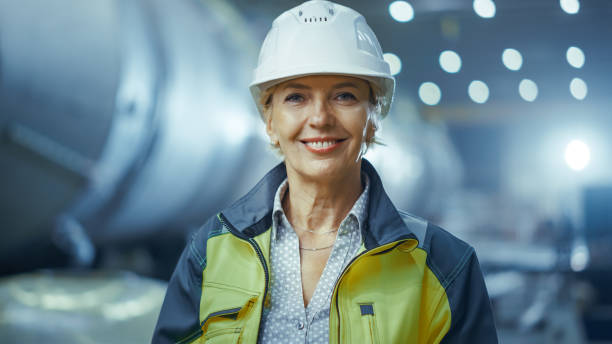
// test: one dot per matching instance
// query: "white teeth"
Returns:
(320, 144)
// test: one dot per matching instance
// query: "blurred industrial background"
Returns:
(124, 124)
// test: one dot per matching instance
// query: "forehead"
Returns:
(324, 81)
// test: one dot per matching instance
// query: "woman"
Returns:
(316, 252)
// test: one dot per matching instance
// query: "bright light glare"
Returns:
(478, 91)
(430, 93)
(575, 57)
(394, 63)
(450, 61)
(512, 59)
(579, 258)
(237, 130)
(528, 90)
(401, 11)
(484, 8)
(570, 6)
(577, 155)
(578, 88)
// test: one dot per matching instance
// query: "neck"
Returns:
(320, 205)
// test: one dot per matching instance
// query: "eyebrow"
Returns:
(346, 84)
(305, 87)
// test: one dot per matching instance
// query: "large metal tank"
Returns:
(119, 118)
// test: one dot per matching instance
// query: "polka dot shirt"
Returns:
(285, 319)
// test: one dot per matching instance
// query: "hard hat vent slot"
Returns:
(315, 19)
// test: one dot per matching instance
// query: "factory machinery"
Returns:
(124, 124)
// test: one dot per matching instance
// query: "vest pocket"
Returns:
(223, 335)
(368, 323)
(225, 311)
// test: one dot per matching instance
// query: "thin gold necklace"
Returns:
(316, 248)
(318, 233)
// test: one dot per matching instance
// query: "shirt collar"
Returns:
(251, 215)
(358, 211)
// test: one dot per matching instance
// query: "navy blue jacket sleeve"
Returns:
(179, 316)
(471, 313)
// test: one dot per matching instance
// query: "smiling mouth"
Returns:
(322, 145)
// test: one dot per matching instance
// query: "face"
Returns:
(318, 121)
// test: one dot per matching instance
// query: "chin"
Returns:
(336, 168)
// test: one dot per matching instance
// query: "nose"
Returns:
(322, 113)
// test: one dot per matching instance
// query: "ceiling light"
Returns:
(450, 61)
(528, 90)
(401, 11)
(478, 91)
(430, 93)
(512, 59)
(575, 57)
(578, 88)
(570, 6)
(484, 8)
(395, 64)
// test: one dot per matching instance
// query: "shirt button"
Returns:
(300, 325)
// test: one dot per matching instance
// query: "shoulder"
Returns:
(197, 245)
(455, 268)
(447, 255)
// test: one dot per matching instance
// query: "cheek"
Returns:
(354, 121)
(285, 125)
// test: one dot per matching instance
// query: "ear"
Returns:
(370, 132)
(270, 128)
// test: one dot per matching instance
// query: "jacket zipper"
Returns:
(260, 255)
(335, 293)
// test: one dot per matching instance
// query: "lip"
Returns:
(328, 149)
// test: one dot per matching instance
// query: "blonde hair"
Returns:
(265, 100)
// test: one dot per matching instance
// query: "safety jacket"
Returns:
(412, 282)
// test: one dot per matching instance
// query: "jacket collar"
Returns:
(251, 215)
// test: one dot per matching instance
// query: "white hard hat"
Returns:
(321, 37)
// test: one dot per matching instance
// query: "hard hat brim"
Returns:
(382, 81)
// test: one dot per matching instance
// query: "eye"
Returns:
(346, 97)
(294, 98)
